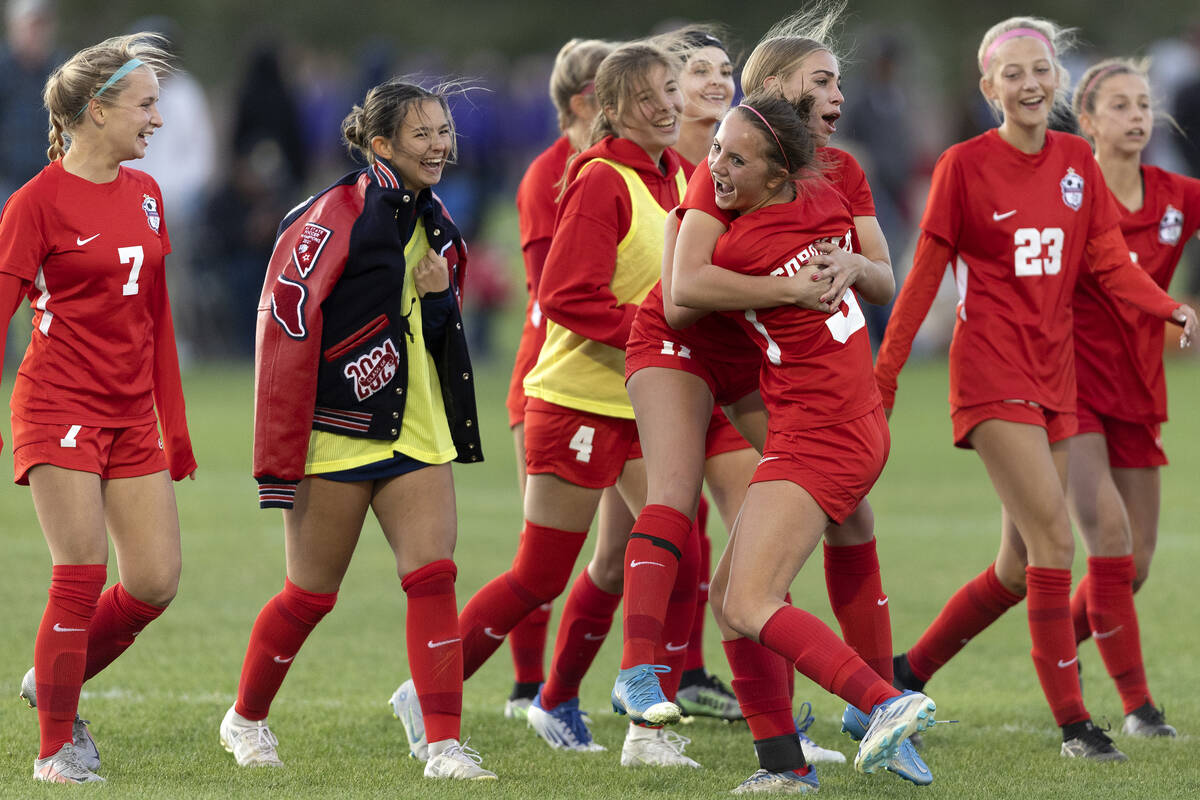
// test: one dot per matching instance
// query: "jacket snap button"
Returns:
(395, 432)
(466, 376)
(407, 198)
(437, 231)
(395, 415)
(399, 390)
(468, 423)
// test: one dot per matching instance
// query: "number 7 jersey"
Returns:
(102, 351)
(1020, 224)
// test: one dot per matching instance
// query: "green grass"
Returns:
(155, 711)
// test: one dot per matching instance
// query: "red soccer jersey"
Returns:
(537, 204)
(816, 367)
(1020, 225)
(103, 346)
(1118, 349)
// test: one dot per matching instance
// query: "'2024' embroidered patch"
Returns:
(373, 370)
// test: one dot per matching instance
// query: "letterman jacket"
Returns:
(329, 350)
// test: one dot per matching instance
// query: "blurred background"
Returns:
(252, 117)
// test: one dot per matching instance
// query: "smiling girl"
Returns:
(86, 242)
(1019, 211)
(826, 444)
(1116, 456)
(364, 395)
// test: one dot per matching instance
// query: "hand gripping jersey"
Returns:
(718, 337)
(330, 321)
(1118, 349)
(816, 367)
(1020, 225)
(607, 253)
(537, 202)
(102, 352)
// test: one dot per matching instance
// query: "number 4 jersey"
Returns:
(103, 346)
(816, 367)
(1020, 225)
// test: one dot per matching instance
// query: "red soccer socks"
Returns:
(60, 650)
(817, 652)
(651, 566)
(856, 596)
(1114, 625)
(543, 565)
(586, 620)
(966, 614)
(119, 618)
(1050, 628)
(279, 631)
(435, 647)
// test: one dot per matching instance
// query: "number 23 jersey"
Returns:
(94, 255)
(1020, 224)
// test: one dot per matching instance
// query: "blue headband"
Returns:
(126, 68)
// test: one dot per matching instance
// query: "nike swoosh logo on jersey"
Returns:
(432, 644)
(1064, 664)
(1107, 634)
(287, 660)
(765, 459)
(882, 602)
(640, 563)
(594, 637)
(60, 629)
(82, 242)
(997, 216)
(496, 636)
(675, 648)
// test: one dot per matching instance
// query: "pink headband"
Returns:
(772, 130)
(1094, 81)
(1012, 34)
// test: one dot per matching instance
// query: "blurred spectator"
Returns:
(27, 57)
(265, 174)
(877, 115)
(182, 158)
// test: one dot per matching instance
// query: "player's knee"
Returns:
(607, 574)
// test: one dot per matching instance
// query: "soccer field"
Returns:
(155, 712)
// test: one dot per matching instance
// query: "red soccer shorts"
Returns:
(107, 452)
(585, 449)
(533, 334)
(837, 464)
(1131, 445)
(1059, 425)
(722, 437)
(715, 350)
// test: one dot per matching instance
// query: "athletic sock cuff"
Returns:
(434, 569)
(855, 559)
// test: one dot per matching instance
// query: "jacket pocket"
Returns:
(363, 334)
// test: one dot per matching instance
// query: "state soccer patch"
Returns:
(308, 248)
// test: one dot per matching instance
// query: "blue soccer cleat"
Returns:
(907, 764)
(562, 727)
(638, 694)
(891, 723)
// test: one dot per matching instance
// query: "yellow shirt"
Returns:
(585, 374)
(424, 430)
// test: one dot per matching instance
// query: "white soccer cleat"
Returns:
(65, 766)
(563, 727)
(458, 762)
(407, 708)
(891, 723)
(813, 752)
(655, 747)
(81, 737)
(250, 741)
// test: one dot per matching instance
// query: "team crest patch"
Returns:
(150, 206)
(308, 249)
(373, 370)
(1170, 227)
(1072, 189)
(287, 306)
